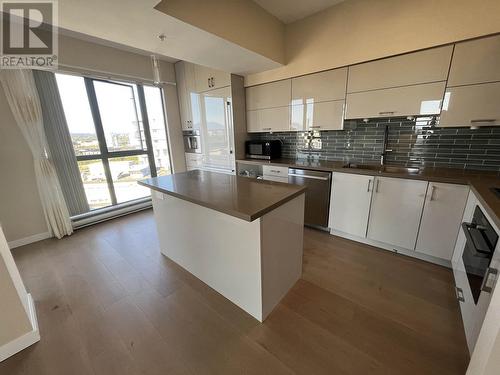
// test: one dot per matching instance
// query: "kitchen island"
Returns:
(243, 237)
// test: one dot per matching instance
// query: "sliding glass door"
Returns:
(115, 142)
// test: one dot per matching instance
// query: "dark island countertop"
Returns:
(242, 197)
(480, 182)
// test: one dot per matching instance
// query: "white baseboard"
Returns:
(25, 340)
(30, 239)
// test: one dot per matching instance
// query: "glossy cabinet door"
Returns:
(426, 66)
(184, 75)
(472, 105)
(476, 61)
(210, 79)
(217, 131)
(396, 209)
(350, 203)
(423, 99)
(269, 95)
(268, 120)
(319, 87)
(443, 210)
(318, 116)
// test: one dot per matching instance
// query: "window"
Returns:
(118, 134)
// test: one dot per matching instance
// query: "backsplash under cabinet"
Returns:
(414, 142)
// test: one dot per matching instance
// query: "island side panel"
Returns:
(282, 236)
(219, 249)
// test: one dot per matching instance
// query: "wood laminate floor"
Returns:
(109, 303)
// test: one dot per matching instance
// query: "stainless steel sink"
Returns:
(384, 168)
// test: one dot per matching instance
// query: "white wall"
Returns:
(21, 212)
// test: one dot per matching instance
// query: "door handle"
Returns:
(460, 294)
(310, 177)
(485, 287)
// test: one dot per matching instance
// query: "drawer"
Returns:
(271, 170)
(276, 179)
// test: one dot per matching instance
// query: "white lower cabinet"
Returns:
(275, 173)
(441, 218)
(396, 210)
(350, 203)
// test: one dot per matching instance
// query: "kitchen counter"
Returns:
(243, 237)
(241, 197)
(481, 182)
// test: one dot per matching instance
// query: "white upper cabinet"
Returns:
(318, 116)
(475, 61)
(210, 79)
(318, 101)
(319, 87)
(269, 95)
(471, 105)
(268, 120)
(431, 65)
(350, 203)
(414, 100)
(443, 211)
(395, 211)
(188, 97)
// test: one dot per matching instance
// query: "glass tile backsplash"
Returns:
(414, 142)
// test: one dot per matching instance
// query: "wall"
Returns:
(360, 30)
(413, 143)
(20, 209)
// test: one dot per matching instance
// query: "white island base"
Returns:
(251, 263)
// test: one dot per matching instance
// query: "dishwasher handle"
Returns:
(309, 176)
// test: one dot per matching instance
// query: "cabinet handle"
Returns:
(433, 189)
(266, 128)
(314, 127)
(376, 187)
(212, 81)
(386, 113)
(209, 82)
(460, 294)
(369, 183)
(485, 287)
(483, 120)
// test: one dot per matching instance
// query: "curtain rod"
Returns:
(108, 75)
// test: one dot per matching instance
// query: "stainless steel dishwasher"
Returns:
(317, 194)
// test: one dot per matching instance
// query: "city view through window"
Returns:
(118, 134)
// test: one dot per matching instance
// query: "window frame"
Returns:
(104, 154)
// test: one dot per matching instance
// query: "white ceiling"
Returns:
(293, 10)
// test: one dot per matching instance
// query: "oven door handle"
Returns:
(466, 227)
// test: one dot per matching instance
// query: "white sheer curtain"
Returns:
(22, 96)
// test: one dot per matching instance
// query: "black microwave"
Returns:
(263, 149)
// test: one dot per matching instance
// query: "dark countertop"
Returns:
(480, 182)
(242, 197)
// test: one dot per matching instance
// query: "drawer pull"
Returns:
(433, 189)
(387, 113)
(485, 287)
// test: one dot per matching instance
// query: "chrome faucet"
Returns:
(384, 146)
